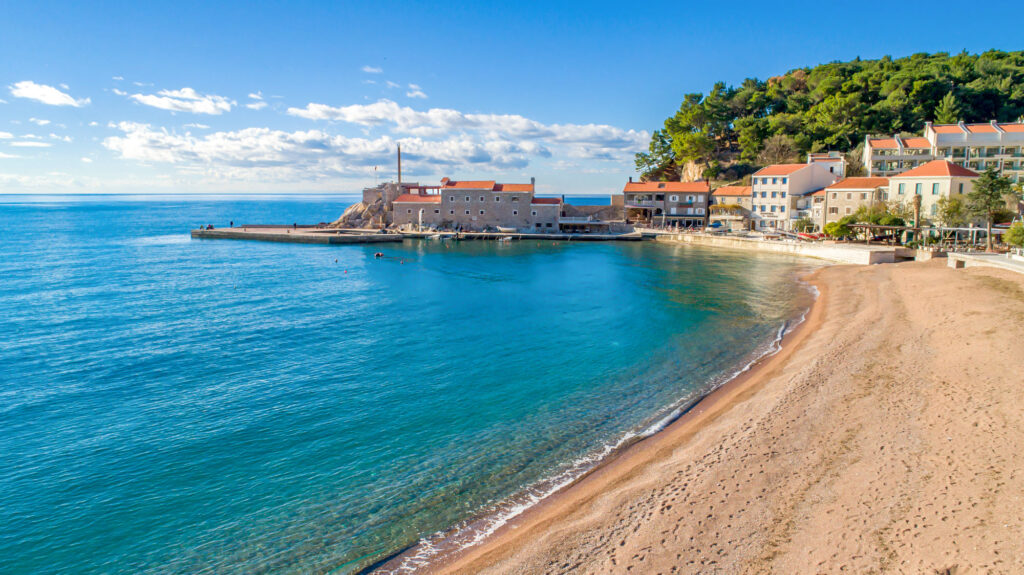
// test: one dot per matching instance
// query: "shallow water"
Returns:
(188, 406)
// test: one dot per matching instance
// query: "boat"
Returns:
(507, 230)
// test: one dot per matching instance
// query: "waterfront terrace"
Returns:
(683, 204)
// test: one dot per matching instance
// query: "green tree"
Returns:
(989, 197)
(952, 211)
(1015, 235)
(840, 229)
(948, 111)
(804, 225)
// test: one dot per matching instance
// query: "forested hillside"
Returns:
(731, 130)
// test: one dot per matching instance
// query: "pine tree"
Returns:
(948, 111)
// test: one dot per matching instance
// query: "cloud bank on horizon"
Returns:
(322, 146)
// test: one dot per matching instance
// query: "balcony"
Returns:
(644, 204)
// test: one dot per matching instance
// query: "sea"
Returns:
(172, 405)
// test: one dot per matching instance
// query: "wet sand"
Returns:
(886, 436)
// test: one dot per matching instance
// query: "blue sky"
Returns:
(309, 96)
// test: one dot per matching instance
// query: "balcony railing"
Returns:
(644, 204)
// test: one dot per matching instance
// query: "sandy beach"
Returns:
(886, 436)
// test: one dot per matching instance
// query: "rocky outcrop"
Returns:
(361, 215)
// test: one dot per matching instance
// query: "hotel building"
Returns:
(781, 194)
(932, 181)
(684, 204)
(973, 146)
(730, 205)
(475, 205)
(845, 197)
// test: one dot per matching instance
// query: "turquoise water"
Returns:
(207, 406)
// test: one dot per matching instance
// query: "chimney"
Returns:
(533, 181)
(631, 179)
(399, 165)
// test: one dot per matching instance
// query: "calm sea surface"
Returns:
(171, 405)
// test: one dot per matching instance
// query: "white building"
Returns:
(973, 146)
(781, 194)
(834, 161)
(932, 181)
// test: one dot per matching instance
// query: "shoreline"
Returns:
(634, 450)
(883, 437)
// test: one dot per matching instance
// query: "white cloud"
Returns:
(2, 101)
(368, 81)
(118, 78)
(256, 105)
(596, 141)
(120, 92)
(372, 70)
(87, 160)
(6, 135)
(45, 94)
(61, 138)
(198, 126)
(256, 95)
(94, 123)
(186, 100)
(391, 84)
(30, 145)
(415, 92)
(3, 155)
(38, 122)
(262, 153)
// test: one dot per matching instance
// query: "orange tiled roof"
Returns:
(667, 187)
(981, 129)
(732, 191)
(859, 184)
(1017, 127)
(780, 169)
(513, 187)
(554, 201)
(947, 129)
(469, 184)
(418, 199)
(916, 143)
(883, 143)
(820, 192)
(938, 168)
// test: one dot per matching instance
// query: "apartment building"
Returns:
(976, 147)
(683, 204)
(845, 197)
(475, 205)
(781, 194)
(730, 207)
(932, 181)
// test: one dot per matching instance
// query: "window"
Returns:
(847, 210)
(773, 207)
(775, 180)
(917, 189)
(899, 190)
(700, 211)
(497, 198)
(849, 196)
(784, 180)
(481, 198)
(451, 198)
(935, 189)
(689, 199)
(775, 194)
(451, 212)
(408, 211)
(783, 194)
(782, 209)
(538, 225)
(533, 213)
(961, 188)
(467, 212)
(833, 210)
(764, 194)
(467, 198)
(548, 224)
(673, 198)
(515, 212)
(437, 211)
(863, 196)
(835, 195)
(935, 209)
(672, 211)
(481, 212)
